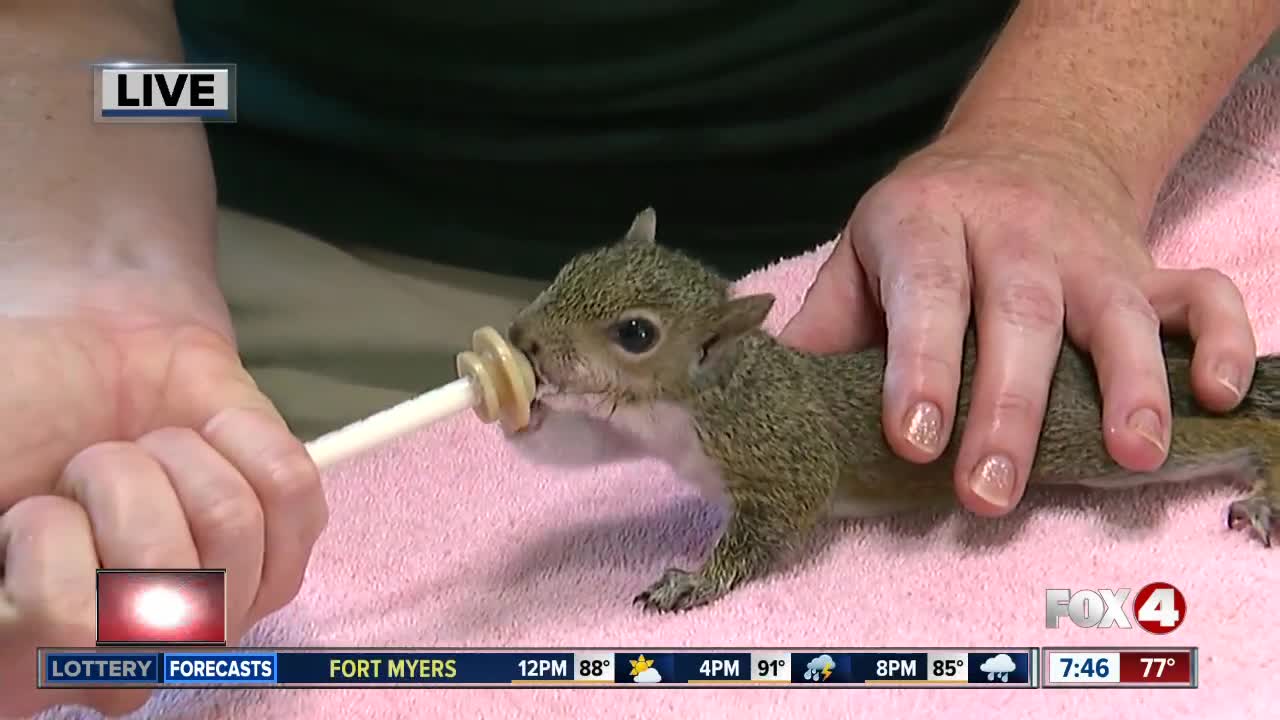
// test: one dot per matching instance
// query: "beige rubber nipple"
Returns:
(502, 376)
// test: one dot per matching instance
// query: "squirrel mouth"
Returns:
(542, 385)
(543, 389)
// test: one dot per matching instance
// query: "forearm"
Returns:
(73, 190)
(1136, 81)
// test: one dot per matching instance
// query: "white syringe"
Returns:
(494, 379)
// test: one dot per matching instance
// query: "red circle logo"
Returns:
(1159, 608)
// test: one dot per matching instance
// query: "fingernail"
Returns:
(1146, 423)
(924, 427)
(992, 480)
(1229, 377)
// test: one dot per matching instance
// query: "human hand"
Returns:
(1034, 234)
(132, 437)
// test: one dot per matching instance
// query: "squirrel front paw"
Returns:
(680, 590)
(537, 413)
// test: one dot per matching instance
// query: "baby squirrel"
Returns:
(641, 351)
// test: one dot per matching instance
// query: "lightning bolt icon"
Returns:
(826, 671)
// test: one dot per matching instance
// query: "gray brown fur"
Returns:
(793, 433)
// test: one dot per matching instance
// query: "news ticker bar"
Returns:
(350, 667)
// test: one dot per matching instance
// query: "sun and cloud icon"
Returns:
(998, 666)
(643, 671)
(819, 668)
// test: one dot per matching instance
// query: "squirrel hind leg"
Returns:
(1260, 510)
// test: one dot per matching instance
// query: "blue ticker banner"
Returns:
(351, 667)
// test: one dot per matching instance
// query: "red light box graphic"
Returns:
(162, 607)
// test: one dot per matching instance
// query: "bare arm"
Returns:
(73, 191)
(1137, 79)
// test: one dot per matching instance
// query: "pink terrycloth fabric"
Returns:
(447, 539)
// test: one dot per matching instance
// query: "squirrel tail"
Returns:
(1263, 399)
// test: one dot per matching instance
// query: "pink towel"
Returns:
(449, 539)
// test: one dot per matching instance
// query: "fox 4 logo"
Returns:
(1159, 608)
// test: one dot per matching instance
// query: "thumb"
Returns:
(206, 378)
(838, 314)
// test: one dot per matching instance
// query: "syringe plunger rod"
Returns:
(494, 379)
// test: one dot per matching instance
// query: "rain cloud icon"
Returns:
(1000, 665)
(819, 668)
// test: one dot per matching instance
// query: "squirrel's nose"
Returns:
(519, 337)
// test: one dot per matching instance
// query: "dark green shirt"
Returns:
(507, 135)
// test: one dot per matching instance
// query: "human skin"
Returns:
(1028, 214)
(130, 434)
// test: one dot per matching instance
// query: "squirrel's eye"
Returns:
(635, 335)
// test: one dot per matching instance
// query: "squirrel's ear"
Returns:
(644, 227)
(742, 314)
(731, 321)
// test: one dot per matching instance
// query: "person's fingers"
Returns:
(222, 512)
(1110, 318)
(48, 599)
(50, 568)
(837, 314)
(240, 423)
(918, 260)
(1208, 306)
(287, 483)
(137, 519)
(1019, 312)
